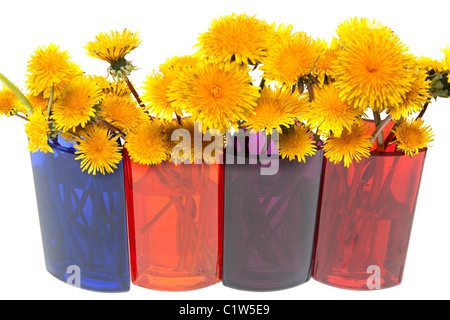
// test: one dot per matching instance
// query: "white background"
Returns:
(170, 28)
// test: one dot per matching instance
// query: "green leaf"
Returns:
(16, 91)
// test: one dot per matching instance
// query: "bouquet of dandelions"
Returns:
(320, 90)
(87, 110)
(315, 94)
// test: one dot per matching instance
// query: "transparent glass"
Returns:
(366, 219)
(176, 225)
(83, 221)
(270, 222)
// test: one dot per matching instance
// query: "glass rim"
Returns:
(54, 146)
(257, 156)
(394, 153)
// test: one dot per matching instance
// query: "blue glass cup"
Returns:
(83, 221)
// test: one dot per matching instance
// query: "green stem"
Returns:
(50, 101)
(422, 113)
(262, 84)
(16, 91)
(301, 86)
(316, 137)
(380, 125)
(313, 79)
(22, 117)
(178, 118)
(391, 135)
(134, 92)
(74, 135)
(111, 127)
(311, 93)
(136, 95)
(157, 217)
(380, 128)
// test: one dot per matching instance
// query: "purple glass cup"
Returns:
(269, 220)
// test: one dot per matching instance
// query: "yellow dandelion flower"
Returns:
(195, 152)
(330, 113)
(179, 64)
(415, 98)
(156, 89)
(189, 125)
(324, 66)
(38, 130)
(277, 108)
(22, 109)
(351, 146)
(113, 47)
(239, 38)
(8, 102)
(430, 65)
(413, 135)
(98, 150)
(119, 88)
(356, 29)
(297, 144)
(157, 85)
(77, 104)
(214, 94)
(148, 144)
(38, 103)
(121, 111)
(69, 136)
(372, 70)
(50, 67)
(170, 127)
(290, 58)
(446, 61)
(101, 82)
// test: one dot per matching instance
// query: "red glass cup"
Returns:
(365, 221)
(176, 225)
